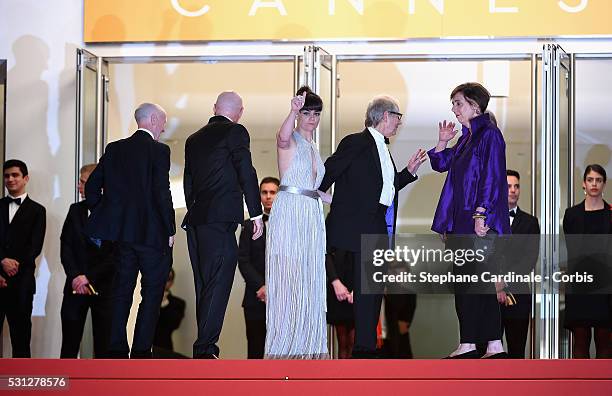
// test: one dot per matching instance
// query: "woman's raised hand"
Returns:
(298, 102)
(447, 131)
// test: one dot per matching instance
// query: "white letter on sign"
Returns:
(184, 12)
(357, 5)
(438, 4)
(493, 8)
(278, 4)
(578, 8)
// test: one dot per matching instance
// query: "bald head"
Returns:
(152, 117)
(229, 104)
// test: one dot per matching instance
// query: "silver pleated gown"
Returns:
(295, 264)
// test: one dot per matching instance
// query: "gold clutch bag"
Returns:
(510, 299)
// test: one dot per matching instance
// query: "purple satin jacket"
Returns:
(476, 177)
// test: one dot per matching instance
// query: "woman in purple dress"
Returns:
(474, 202)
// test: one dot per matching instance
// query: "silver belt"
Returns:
(300, 191)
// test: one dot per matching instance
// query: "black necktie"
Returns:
(265, 217)
(512, 213)
(15, 200)
(386, 140)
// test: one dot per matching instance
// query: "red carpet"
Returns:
(352, 377)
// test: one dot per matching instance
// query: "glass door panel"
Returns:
(319, 74)
(91, 120)
(92, 108)
(556, 156)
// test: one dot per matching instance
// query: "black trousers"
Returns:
(16, 306)
(476, 304)
(479, 318)
(154, 266)
(73, 315)
(366, 307)
(397, 345)
(256, 337)
(515, 322)
(214, 255)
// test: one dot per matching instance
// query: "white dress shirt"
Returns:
(13, 207)
(388, 171)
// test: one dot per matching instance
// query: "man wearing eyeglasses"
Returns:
(366, 185)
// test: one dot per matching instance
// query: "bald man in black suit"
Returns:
(218, 174)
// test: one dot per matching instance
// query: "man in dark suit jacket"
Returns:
(515, 318)
(129, 197)
(251, 263)
(218, 172)
(22, 231)
(366, 186)
(89, 275)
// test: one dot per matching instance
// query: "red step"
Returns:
(338, 377)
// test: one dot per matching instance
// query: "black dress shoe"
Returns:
(141, 355)
(116, 355)
(466, 355)
(206, 356)
(500, 355)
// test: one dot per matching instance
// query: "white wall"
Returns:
(39, 38)
(39, 41)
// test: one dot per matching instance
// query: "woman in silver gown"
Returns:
(295, 241)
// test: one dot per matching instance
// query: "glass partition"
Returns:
(425, 101)
(556, 152)
(92, 108)
(187, 91)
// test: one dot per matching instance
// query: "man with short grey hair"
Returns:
(365, 202)
(128, 194)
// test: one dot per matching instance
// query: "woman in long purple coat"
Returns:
(474, 201)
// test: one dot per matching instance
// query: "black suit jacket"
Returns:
(524, 223)
(218, 172)
(22, 240)
(80, 256)
(523, 252)
(252, 265)
(356, 171)
(573, 220)
(129, 193)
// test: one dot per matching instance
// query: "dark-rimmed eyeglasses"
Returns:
(399, 115)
